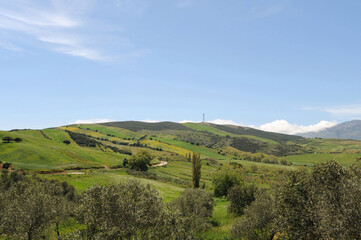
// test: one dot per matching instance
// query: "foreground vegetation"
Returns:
(304, 206)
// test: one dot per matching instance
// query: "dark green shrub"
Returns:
(141, 160)
(257, 221)
(197, 206)
(240, 196)
(6, 165)
(224, 179)
(7, 139)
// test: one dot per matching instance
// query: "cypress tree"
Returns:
(196, 169)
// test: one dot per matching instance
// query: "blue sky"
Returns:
(283, 65)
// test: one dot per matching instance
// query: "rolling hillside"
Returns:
(346, 130)
(107, 144)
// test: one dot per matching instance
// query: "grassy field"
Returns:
(37, 152)
(208, 128)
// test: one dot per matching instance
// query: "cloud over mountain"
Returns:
(282, 126)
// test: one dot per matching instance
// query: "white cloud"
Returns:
(188, 121)
(282, 126)
(150, 121)
(94, 120)
(353, 110)
(64, 26)
(215, 121)
(224, 122)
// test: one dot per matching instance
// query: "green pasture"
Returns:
(37, 152)
(207, 128)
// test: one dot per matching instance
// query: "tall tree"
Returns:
(196, 169)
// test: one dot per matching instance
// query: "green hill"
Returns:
(138, 126)
(278, 137)
(109, 143)
(345, 130)
(45, 150)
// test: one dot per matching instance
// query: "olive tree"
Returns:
(141, 160)
(257, 221)
(324, 204)
(129, 210)
(196, 205)
(27, 211)
(240, 196)
(224, 179)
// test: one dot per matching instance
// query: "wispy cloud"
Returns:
(352, 110)
(282, 126)
(66, 27)
(265, 11)
(342, 110)
(94, 120)
(184, 3)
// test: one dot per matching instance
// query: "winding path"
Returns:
(162, 163)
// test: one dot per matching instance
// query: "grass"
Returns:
(204, 151)
(208, 128)
(103, 177)
(37, 152)
(309, 160)
(118, 132)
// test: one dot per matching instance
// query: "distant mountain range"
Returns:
(346, 130)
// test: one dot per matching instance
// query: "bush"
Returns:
(18, 139)
(224, 179)
(33, 206)
(141, 160)
(284, 161)
(257, 221)
(212, 161)
(83, 140)
(125, 162)
(324, 204)
(6, 165)
(240, 196)
(254, 168)
(7, 139)
(127, 210)
(197, 206)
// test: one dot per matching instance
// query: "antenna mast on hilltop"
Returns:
(204, 117)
